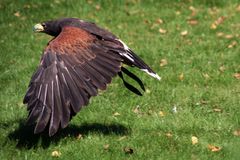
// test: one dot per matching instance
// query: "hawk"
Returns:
(80, 59)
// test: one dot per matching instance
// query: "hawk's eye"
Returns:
(44, 25)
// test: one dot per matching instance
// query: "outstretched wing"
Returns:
(73, 67)
(129, 57)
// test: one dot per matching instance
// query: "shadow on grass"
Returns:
(26, 139)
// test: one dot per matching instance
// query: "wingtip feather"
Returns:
(155, 75)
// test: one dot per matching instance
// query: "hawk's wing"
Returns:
(73, 67)
(128, 56)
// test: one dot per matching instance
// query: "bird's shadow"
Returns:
(26, 139)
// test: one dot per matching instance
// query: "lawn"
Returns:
(192, 113)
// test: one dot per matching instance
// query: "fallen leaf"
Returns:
(79, 136)
(159, 21)
(162, 31)
(163, 62)
(214, 148)
(228, 36)
(192, 8)
(148, 91)
(56, 154)
(181, 77)
(137, 109)
(232, 44)
(222, 68)
(238, 8)
(194, 140)
(146, 21)
(98, 7)
(220, 34)
(184, 33)
(220, 20)
(178, 12)
(89, 1)
(169, 135)
(206, 76)
(217, 22)
(17, 14)
(194, 11)
(213, 26)
(106, 146)
(236, 133)
(197, 104)
(192, 22)
(128, 150)
(217, 110)
(161, 114)
(203, 102)
(237, 76)
(116, 114)
(213, 11)
(122, 138)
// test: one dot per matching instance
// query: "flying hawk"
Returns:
(80, 59)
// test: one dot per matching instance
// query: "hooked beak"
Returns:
(38, 28)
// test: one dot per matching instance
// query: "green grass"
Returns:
(198, 53)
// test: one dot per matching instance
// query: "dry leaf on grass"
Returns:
(213, 26)
(177, 12)
(232, 44)
(122, 138)
(146, 21)
(192, 22)
(79, 136)
(206, 76)
(116, 114)
(159, 21)
(17, 14)
(137, 109)
(106, 146)
(148, 91)
(184, 33)
(98, 7)
(220, 34)
(214, 148)
(236, 133)
(128, 150)
(194, 11)
(236, 75)
(222, 68)
(194, 140)
(162, 31)
(161, 114)
(228, 36)
(169, 134)
(181, 77)
(56, 154)
(163, 62)
(217, 110)
(89, 1)
(238, 8)
(217, 22)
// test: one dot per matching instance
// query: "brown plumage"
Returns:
(79, 60)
